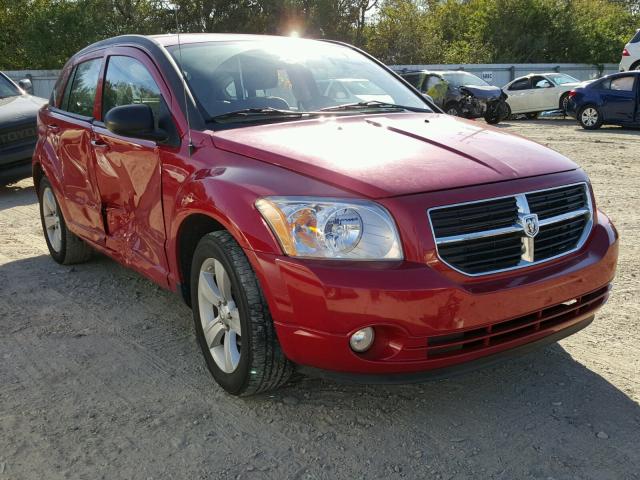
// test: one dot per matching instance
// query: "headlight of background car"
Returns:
(328, 228)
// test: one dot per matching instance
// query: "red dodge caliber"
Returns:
(314, 210)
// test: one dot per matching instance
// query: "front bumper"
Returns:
(427, 318)
(15, 161)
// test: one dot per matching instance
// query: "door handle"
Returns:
(53, 127)
(99, 144)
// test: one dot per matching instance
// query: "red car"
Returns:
(373, 241)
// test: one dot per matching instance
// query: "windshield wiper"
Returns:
(372, 104)
(250, 114)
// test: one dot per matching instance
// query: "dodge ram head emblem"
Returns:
(530, 224)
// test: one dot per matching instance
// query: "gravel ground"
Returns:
(101, 377)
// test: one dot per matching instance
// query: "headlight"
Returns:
(329, 228)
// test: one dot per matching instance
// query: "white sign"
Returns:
(487, 76)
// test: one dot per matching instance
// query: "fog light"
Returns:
(362, 340)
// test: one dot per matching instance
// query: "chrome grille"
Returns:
(489, 236)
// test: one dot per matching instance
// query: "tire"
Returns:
(508, 113)
(589, 117)
(453, 109)
(64, 246)
(635, 66)
(240, 348)
(532, 115)
(564, 102)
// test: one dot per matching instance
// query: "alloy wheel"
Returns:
(219, 315)
(51, 219)
(589, 116)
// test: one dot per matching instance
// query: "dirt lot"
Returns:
(100, 377)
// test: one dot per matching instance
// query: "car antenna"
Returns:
(184, 80)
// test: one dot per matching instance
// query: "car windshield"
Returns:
(562, 78)
(458, 79)
(7, 88)
(286, 75)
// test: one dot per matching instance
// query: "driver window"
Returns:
(522, 84)
(128, 81)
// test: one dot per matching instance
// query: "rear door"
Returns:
(128, 170)
(69, 130)
(619, 99)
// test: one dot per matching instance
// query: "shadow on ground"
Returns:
(119, 356)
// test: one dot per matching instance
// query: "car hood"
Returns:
(19, 109)
(389, 155)
(482, 92)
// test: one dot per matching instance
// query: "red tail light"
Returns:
(625, 53)
(572, 93)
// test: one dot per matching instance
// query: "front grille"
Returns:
(551, 203)
(557, 238)
(494, 235)
(450, 345)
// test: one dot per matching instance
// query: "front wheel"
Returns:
(453, 109)
(590, 118)
(64, 247)
(232, 320)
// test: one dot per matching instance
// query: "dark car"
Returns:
(614, 100)
(18, 133)
(461, 94)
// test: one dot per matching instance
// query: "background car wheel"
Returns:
(532, 115)
(232, 320)
(453, 109)
(64, 247)
(590, 117)
(564, 103)
(508, 114)
(635, 66)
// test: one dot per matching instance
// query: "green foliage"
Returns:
(41, 34)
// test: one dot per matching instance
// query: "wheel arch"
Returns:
(189, 233)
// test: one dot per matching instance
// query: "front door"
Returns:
(619, 99)
(69, 129)
(517, 95)
(128, 170)
(543, 96)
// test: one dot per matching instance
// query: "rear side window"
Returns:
(80, 92)
(128, 82)
(624, 84)
(523, 84)
(636, 37)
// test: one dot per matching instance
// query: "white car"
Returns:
(535, 93)
(353, 90)
(631, 54)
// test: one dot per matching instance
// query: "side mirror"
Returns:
(134, 121)
(26, 85)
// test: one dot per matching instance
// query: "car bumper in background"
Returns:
(15, 163)
(425, 319)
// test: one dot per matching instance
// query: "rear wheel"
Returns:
(64, 247)
(589, 117)
(232, 320)
(635, 66)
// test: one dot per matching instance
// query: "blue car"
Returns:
(614, 99)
